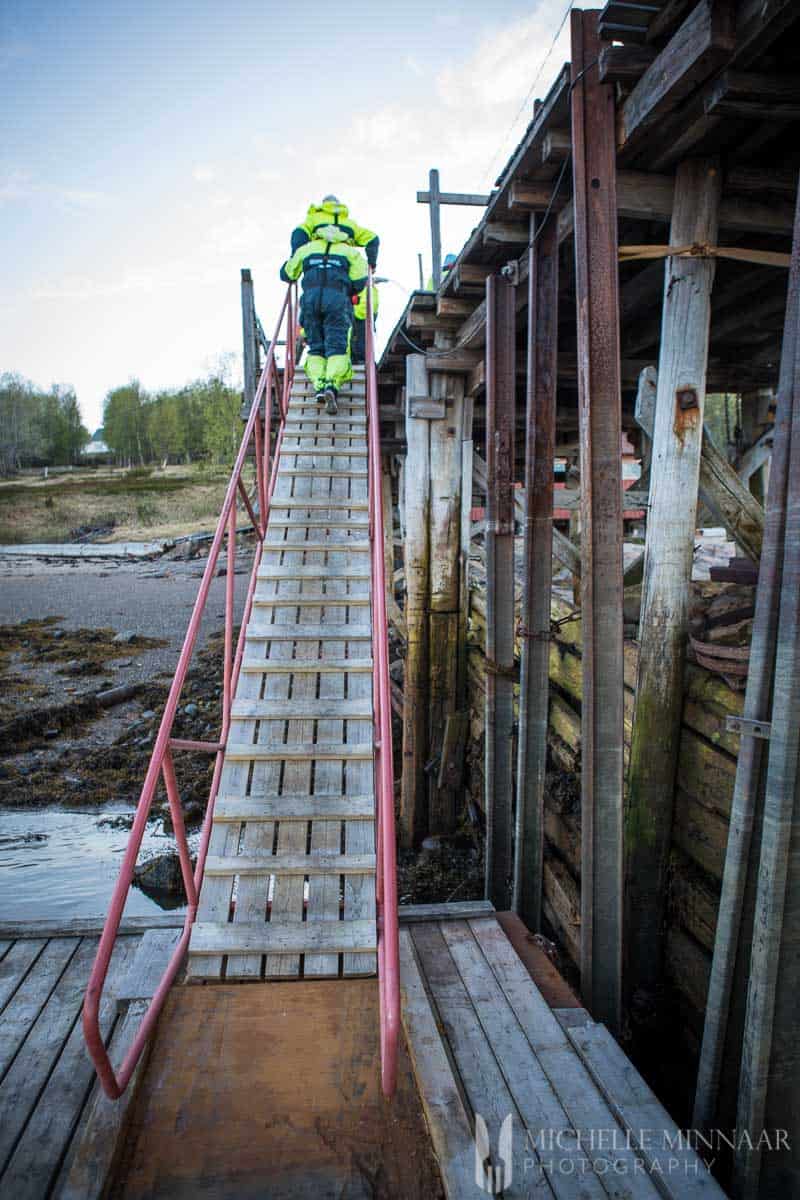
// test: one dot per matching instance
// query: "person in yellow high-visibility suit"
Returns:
(332, 212)
(332, 272)
(358, 342)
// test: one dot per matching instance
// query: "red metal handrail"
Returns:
(161, 763)
(386, 858)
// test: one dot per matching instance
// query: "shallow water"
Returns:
(58, 864)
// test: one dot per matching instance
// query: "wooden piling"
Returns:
(675, 471)
(446, 389)
(537, 576)
(500, 388)
(599, 407)
(416, 478)
(249, 343)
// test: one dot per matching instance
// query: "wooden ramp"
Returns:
(289, 886)
(274, 1091)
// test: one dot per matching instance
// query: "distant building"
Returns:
(97, 448)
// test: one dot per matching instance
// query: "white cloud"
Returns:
(203, 174)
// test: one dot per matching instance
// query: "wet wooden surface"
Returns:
(274, 1091)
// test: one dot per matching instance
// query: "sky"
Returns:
(150, 149)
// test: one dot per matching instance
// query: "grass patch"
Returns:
(139, 505)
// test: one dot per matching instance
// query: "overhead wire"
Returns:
(529, 94)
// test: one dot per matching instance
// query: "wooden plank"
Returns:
(448, 1122)
(483, 1080)
(299, 523)
(294, 709)
(309, 598)
(318, 571)
(39, 1152)
(330, 504)
(292, 807)
(17, 962)
(320, 473)
(452, 910)
(359, 891)
(283, 937)
(45, 1039)
(328, 547)
(86, 927)
(544, 1028)
(638, 1110)
(89, 1164)
(145, 972)
(558, 1097)
(298, 666)
(306, 633)
(30, 996)
(291, 864)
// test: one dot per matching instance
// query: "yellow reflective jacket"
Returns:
(327, 264)
(330, 212)
(360, 307)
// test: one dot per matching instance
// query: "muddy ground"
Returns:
(71, 631)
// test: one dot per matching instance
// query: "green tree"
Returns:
(125, 422)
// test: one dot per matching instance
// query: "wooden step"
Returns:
(305, 600)
(283, 937)
(284, 632)
(320, 473)
(295, 710)
(310, 571)
(336, 424)
(288, 807)
(297, 524)
(325, 452)
(358, 547)
(306, 666)
(331, 503)
(317, 863)
(299, 752)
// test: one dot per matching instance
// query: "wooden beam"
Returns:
(436, 229)
(453, 360)
(556, 145)
(625, 64)
(473, 199)
(599, 408)
(743, 94)
(417, 487)
(447, 306)
(500, 395)
(505, 233)
(249, 343)
(540, 427)
(529, 197)
(677, 439)
(697, 48)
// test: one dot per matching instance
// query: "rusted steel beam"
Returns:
(538, 573)
(500, 386)
(599, 404)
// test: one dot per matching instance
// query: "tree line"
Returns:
(198, 421)
(38, 428)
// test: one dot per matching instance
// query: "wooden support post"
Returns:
(446, 389)
(436, 228)
(467, 460)
(675, 473)
(599, 410)
(413, 815)
(538, 572)
(500, 387)
(249, 344)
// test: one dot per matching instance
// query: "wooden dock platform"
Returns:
(273, 1090)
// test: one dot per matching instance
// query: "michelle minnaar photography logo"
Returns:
(670, 1153)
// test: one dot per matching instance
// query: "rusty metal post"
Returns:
(540, 437)
(599, 404)
(500, 383)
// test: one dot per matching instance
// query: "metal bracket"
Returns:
(744, 725)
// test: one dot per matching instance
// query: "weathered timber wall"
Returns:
(706, 772)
